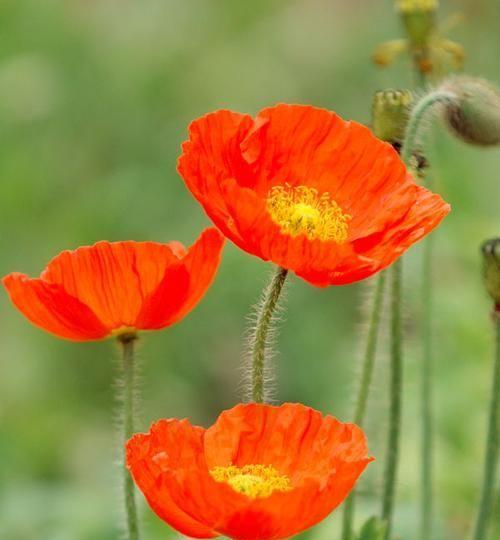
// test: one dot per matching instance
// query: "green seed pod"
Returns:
(491, 265)
(390, 111)
(475, 115)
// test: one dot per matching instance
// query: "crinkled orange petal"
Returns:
(320, 263)
(305, 145)
(112, 278)
(212, 154)
(422, 217)
(322, 457)
(184, 283)
(96, 291)
(230, 162)
(300, 439)
(147, 459)
(49, 307)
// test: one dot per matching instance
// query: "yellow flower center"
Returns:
(302, 210)
(254, 481)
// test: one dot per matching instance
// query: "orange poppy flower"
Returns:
(307, 190)
(112, 288)
(259, 473)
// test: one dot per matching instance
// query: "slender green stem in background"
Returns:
(127, 342)
(260, 337)
(396, 383)
(364, 387)
(492, 445)
(371, 349)
(426, 397)
(416, 125)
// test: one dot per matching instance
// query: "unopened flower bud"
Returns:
(491, 264)
(474, 116)
(390, 111)
(419, 19)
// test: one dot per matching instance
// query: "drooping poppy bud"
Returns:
(474, 115)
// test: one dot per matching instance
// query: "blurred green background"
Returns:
(95, 97)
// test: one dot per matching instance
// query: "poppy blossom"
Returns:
(259, 473)
(112, 288)
(303, 188)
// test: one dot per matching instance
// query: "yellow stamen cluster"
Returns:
(411, 6)
(254, 481)
(302, 210)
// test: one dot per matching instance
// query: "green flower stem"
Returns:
(364, 387)
(426, 393)
(127, 342)
(417, 121)
(260, 338)
(396, 383)
(492, 445)
(416, 124)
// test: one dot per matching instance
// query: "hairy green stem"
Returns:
(396, 383)
(364, 387)
(492, 445)
(260, 338)
(417, 121)
(127, 342)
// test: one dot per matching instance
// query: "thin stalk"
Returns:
(416, 124)
(127, 342)
(417, 121)
(260, 338)
(364, 387)
(492, 445)
(396, 383)
(426, 393)
(426, 374)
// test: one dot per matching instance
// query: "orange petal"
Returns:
(231, 162)
(322, 457)
(422, 217)
(296, 439)
(320, 263)
(169, 445)
(183, 284)
(211, 155)
(49, 307)
(112, 278)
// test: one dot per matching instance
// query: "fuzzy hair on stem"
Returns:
(126, 391)
(258, 377)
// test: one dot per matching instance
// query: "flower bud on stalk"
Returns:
(390, 112)
(474, 116)
(491, 266)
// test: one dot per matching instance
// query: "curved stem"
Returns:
(260, 338)
(396, 382)
(492, 445)
(417, 121)
(128, 366)
(416, 125)
(364, 387)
